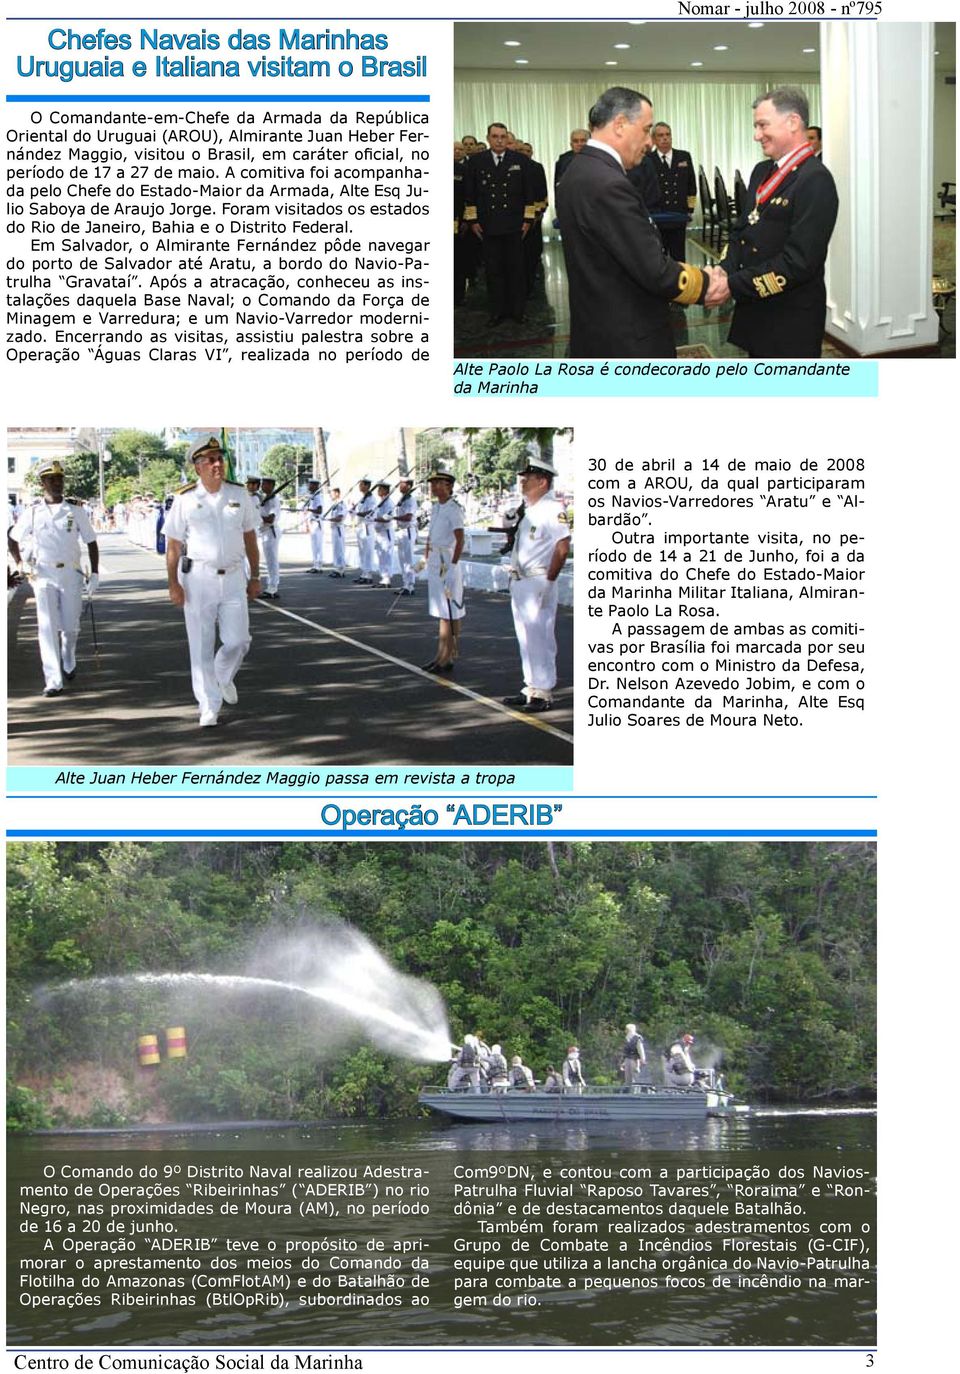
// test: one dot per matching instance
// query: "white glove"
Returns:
(93, 582)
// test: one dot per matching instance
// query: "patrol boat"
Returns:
(643, 1102)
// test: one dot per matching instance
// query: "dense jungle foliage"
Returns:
(766, 952)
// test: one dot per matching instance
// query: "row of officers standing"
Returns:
(384, 519)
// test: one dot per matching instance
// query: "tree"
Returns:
(130, 451)
(160, 476)
(81, 476)
(494, 456)
(433, 451)
(285, 462)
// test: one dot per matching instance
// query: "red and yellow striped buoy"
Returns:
(148, 1050)
(176, 1042)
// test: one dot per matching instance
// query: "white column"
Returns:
(877, 114)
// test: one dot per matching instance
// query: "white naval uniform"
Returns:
(363, 514)
(50, 535)
(212, 526)
(533, 598)
(336, 518)
(270, 542)
(383, 536)
(405, 538)
(315, 510)
(444, 578)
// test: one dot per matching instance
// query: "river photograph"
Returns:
(235, 1073)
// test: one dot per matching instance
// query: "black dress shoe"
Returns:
(428, 667)
(52, 691)
(518, 700)
(535, 705)
(68, 677)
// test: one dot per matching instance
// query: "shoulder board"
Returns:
(189, 487)
(233, 484)
(455, 502)
(73, 501)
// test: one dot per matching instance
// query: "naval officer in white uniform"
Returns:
(270, 538)
(51, 534)
(336, 517)
(405, 533)
(314, 509)
(444, 574)
(211, 525)
(540, 549)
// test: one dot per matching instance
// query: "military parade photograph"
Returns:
(290, 595)
(654, 190)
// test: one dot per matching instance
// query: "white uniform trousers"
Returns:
(367, 550)
(444, 586)
(338, 552)
(215, 601)
(271, 558)
(384, 547)
(534, 604)
(316, 542)
(59, 597)
(404, 546)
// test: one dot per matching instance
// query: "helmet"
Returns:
(630, 1028)
(494, 1049)
(516, 1061)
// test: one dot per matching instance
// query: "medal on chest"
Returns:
(768, 187)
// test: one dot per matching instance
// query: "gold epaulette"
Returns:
(73, 501)
(180, 490)
(690, 285)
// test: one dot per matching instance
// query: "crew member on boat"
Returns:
(634, 1056)
(521, 1078)
(680, 1070)
(573, 1079)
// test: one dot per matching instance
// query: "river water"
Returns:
(451, 1293)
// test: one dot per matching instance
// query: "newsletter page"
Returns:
(469, 640)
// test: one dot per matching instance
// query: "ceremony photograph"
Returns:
(290, 595)
(633, 189)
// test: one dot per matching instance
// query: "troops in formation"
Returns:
(219, 534)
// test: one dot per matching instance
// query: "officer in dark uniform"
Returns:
(677, 183)
(775, 259)
(578, 141)
(533, 243)
(460, 264)
(619, 277)
(500, 208)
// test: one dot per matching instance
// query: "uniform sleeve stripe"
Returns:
(690, 285)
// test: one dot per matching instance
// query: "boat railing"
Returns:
(587, 1090)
